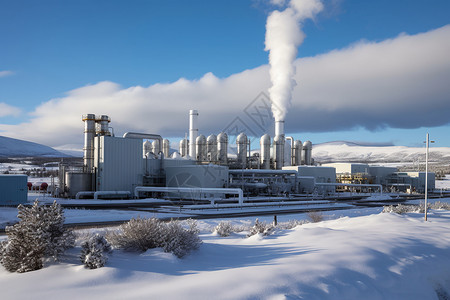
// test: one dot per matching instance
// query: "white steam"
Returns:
(283, 37)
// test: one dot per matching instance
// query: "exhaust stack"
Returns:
(193, 132)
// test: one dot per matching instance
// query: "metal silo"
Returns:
(147, 147)
(193, 132)
(242, 142)
(222, 148)
(211, 148)
(278, 151)
(156, 147)
(184, 147)
(166, 148)
(265, 151)
(297, 153)
(307, 152)
(200, 148)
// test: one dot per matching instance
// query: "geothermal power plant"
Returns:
(206, 167)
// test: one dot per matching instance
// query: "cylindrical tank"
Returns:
(147, 147)
(278, 151)
(297, 153)
(222, 148)
(211, 148)
(307, 153)
(242, 142)
(265, 151)
(103, 125)
(156, 147)
(166, 148)
(89, 134)
(193, 131)
(78, 182)
(200, 148)
(183, 147)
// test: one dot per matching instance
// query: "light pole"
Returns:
(426, 174)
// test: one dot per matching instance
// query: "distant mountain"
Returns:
(342, 151)
(10, 147)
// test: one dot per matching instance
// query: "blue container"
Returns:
(13, 189)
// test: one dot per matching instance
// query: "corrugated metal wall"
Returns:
(119, 163)
(13, 189)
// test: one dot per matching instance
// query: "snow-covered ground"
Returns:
(377, 256)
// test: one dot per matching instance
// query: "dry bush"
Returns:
(315, 216)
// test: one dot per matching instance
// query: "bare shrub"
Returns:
(261, 227)
(291, 224)
(143, 234)
(224, 229)
(315, 216)
(138, 235)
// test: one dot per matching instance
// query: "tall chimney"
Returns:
(193, 132)
(89, 134)
(279, 128)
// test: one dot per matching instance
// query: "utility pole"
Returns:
(426, 175)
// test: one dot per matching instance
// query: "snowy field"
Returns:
(377, 256)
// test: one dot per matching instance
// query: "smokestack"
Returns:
(193, 132)
(89, 134)
(279, 128)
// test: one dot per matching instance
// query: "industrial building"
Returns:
(143, 165)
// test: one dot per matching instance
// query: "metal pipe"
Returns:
(84, 193)
(193, 132)
(224, 191)
(291, 139)
(112, 193)
(148, 136)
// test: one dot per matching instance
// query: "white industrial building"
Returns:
(117, 166)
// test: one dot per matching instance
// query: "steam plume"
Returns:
(283, 37)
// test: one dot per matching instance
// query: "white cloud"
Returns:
(6, 73)
(8, 110)
(401, 83)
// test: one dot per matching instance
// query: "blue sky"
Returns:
(49, 48)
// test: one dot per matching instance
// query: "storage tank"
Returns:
(265, 151)
(183, 147)
(78, 182)
(156, 147)
(147, 147)
(166, 148)
(222, 148)
(307, 153)
(200, 148)
(278, 151)
(297, 153)
(242, 142)
(211, 148)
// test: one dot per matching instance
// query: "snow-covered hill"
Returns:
(10, 147)
(352, 152)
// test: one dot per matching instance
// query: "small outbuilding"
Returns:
(13, 189)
